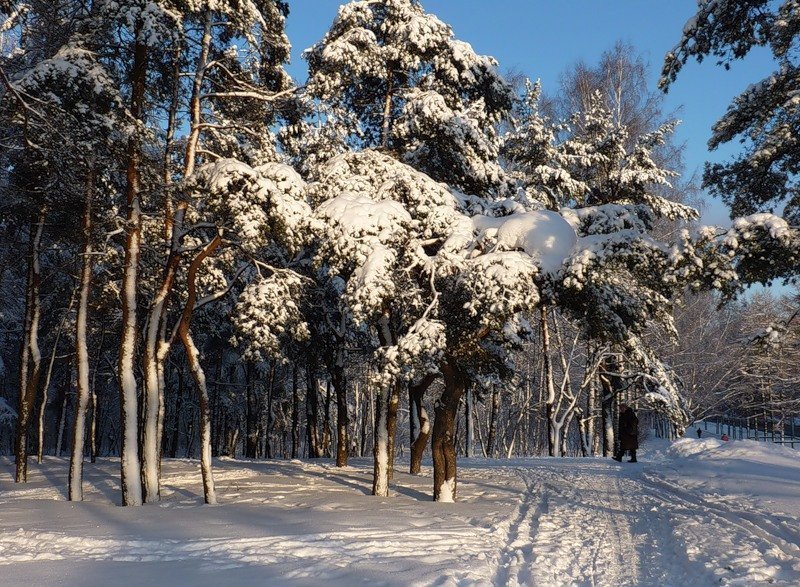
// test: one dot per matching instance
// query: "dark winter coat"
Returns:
(628, 430)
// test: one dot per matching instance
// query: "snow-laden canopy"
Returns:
(414, 90)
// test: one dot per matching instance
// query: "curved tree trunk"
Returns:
(419, 420)
(196, 369)
(156, 350)
(443, 443)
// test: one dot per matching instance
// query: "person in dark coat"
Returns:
(628, 433)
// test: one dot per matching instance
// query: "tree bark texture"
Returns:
(130, 466)
(339, 380)
(82, 352)
(443, 442)
(420, 421)
(30, 355)
(196, 369)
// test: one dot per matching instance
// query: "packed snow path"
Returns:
(664, 521)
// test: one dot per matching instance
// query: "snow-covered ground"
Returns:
(697, 512)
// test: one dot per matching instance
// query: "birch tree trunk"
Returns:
(492, 439)
(552, 428)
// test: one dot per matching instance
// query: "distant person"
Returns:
(699, 433)
(628, 433)
(724, 437)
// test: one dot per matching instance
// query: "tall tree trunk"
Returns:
(492, 440)
(312, 410)
(387, 108)
(367, 410)
(62, 419)
(251, 416)
(30, 355)
(470, 418)
(193, 358)
(82, 351)
(47, 377)
(610, 387)
(270, 398)
(326, 422)
(443, 447)
(93, 428)
(552, 428)
(385, 420)
(583, 435)
(339, 379)
(156, 346)
(380, 473)
(295, 414)
(420, 421)
(156, 350)
(592, 440)
(391, 427)
(130, 466)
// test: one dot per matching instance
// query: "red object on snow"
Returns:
(724, 437)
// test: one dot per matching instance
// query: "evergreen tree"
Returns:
(766, 116)
(416, 91)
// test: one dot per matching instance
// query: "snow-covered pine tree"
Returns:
(416, 91)
(375, 213)
(764, 177)
(428, 100)
(533, 156)
(609, 186)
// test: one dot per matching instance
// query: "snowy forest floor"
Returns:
(697, 512)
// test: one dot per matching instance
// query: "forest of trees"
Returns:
(409, 254)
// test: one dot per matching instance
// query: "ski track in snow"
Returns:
(522, 522)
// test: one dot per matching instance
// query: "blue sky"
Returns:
(542, 38)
